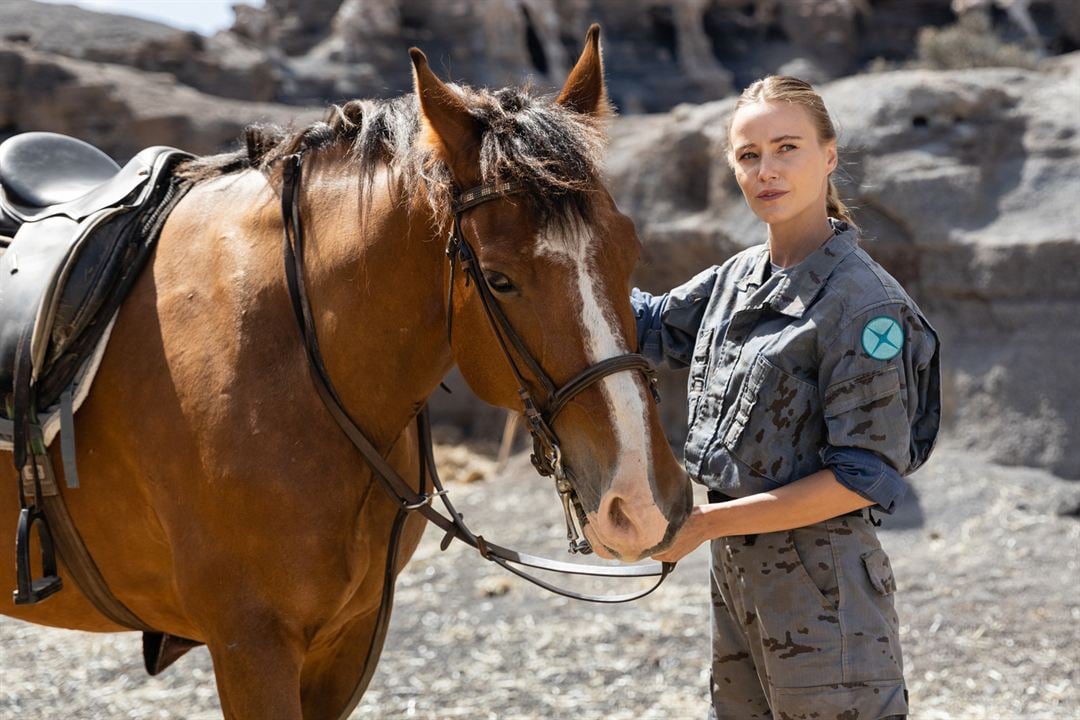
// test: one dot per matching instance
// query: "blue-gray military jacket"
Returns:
(828, 363)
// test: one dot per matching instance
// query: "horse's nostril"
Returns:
(618, 518)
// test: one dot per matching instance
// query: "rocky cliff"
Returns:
(659, 53)
(965, 180)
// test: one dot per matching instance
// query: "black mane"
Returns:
(526, 138)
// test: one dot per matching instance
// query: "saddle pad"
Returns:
(80, 388)
(62, 282)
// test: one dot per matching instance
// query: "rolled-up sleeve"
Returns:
(864, 472)
(881, 398)
(667, 325)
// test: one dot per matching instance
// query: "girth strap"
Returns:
(84, 571)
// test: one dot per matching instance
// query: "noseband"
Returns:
(547, 456)
(539, 417)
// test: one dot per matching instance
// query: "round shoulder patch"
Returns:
(882, 338)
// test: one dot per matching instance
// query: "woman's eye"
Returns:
(787, 145)
(747, 155)
(498, 282)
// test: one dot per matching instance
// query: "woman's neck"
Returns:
(794, 240)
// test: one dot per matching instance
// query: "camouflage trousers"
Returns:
(804, 625)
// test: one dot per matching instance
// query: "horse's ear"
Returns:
(447, 125)
(584, 90)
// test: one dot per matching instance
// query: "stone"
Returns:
(225, 64)
(122, 110)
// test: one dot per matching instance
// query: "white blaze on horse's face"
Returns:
(627, 520)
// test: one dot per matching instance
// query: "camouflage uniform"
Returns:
(826, 364)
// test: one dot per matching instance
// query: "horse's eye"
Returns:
(499, 282)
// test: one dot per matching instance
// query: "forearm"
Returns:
(806, 501)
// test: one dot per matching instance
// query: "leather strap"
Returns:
(539, 418)
(84, 571)
(596, 373)
(480, 195)
(407, 498)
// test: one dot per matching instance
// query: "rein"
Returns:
(547, 456)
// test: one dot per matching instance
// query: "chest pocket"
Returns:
(777, 428)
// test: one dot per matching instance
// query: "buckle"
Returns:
(425, 499)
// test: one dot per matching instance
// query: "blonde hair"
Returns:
(776, 88)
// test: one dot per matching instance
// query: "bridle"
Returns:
(547, 453)
(547, 456)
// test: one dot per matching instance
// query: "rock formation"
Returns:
(965, 184)
(223, 65)
(120, 109)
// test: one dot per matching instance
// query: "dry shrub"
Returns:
(969, 43)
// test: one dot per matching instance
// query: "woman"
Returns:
(814, 386)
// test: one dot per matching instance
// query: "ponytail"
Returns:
(835, 207)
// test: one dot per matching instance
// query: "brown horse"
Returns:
(218, 497)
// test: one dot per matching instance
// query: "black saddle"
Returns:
(46, 174)
(39, 169)
(81, 229)
(68, 208)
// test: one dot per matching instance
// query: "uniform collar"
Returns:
(759, 271)
(800, 284)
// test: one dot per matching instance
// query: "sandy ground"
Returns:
(986, 558)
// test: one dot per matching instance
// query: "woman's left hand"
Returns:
(690, 535)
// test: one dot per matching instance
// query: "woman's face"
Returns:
(779, 164)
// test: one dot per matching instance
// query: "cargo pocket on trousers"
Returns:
(813, 547)
(880, 571)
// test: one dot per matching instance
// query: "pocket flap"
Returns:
(880, 571)
(858, 391)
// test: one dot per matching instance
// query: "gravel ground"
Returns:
(986, 558)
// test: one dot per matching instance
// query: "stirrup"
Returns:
(30, 591)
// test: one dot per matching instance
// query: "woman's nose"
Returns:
(766, 169)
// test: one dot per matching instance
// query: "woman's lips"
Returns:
(771, 194)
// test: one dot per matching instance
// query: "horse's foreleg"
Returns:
(336, 674)
(258, 672)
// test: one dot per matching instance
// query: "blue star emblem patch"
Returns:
(882, 338)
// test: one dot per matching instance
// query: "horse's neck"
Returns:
(375, 279)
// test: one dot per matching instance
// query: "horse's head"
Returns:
(556, 255)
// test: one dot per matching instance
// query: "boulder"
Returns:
(226, 64)
(353, 48)
(123, 110)
(76, 32)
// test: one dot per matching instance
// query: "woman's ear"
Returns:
(831, 158)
